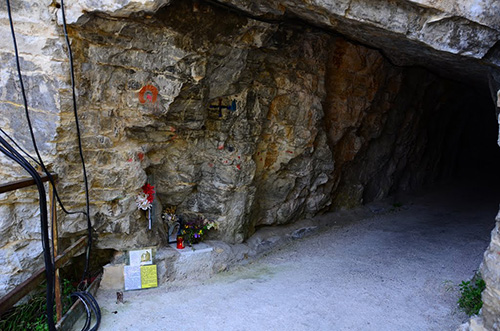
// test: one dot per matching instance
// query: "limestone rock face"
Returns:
(408, 32)
(76, 10)
(491, 276)
(251, 122)
(459, 36)
(41, 50)
(236, 165)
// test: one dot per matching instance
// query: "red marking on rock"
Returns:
(239, 157)
(210, 165)
(225, 161)
(220, 147)
(290, 152)
(140, 155)
(238, 166)
(150, 92)
(130, 160)
(261, 159)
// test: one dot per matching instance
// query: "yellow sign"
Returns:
(149, 277)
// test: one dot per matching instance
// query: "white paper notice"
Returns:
(132, 277)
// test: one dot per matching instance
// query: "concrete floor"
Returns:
(397, 270)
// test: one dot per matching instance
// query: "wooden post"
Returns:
(55, 245)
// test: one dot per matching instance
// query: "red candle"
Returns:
(180, 242)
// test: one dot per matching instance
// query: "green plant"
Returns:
(25, 316)
(470, 300)
(40, 324)
(66, 289)
(32, 315)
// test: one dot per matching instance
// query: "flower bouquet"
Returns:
(145, 199)
(194, 231)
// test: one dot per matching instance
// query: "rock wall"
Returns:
(389, 128)
(460, 38)
(319, 122)
(491, 275)
(308, 130)
(45, 77)
(238, 166)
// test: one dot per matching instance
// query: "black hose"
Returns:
(83, 295)
(28, 119)
(19, 147)
(80, 150)
(86, 305)
(14, 155)
(89, 301)
(9, 151)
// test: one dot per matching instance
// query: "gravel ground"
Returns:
(397, 270)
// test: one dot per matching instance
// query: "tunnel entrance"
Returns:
(256, 116)
(479, 153)
(470, 155)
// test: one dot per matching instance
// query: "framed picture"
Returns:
(173, 229)
(140, 257)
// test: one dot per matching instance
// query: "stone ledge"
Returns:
(197, 249)
(211, 257)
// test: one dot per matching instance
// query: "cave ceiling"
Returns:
(457, 39)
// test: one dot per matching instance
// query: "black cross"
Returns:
(220, 106)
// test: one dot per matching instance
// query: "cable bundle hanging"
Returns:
(87, 299)
(10, 152)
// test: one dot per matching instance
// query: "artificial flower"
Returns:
(142, 201)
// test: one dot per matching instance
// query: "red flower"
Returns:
(150, 191)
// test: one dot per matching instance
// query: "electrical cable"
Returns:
(25, 102)
(10, 152)
(88, 300)
(83, 295)
(80, 150)
(88, 320)
(96, 309)
(13, 154)
(19, 147)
